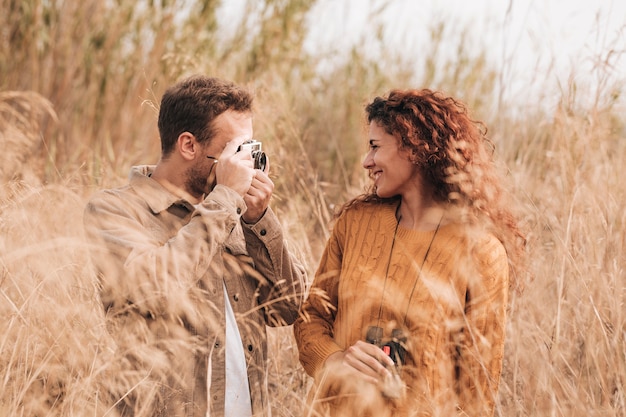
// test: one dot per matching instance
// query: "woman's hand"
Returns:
(368, 361)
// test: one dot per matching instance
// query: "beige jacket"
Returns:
(162, 264)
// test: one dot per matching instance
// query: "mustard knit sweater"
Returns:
(452, 312)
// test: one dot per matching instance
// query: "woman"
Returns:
(406, 315)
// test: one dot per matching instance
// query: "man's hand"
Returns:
(235, 169)
(258, 196)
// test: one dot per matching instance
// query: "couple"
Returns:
(405, 315)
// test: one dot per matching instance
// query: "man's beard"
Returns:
(198, 181)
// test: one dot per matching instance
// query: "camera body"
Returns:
(394, 348)
(255, 149)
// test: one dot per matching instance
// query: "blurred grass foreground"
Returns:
(79, 84)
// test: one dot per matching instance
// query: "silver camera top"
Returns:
(258, 156)
(251, 145)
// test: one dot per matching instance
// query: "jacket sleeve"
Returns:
(481, 346)
(313, 329)
(280, 274)
(140, 272)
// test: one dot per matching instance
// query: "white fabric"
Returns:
(237, 401)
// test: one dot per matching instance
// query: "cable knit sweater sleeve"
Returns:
(481, 347)
(314, 328)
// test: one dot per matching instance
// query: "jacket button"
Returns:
(217, 345)
(236, 297)
(250, 348)
(263, 232)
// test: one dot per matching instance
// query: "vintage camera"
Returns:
(258, 156)
(394, 348)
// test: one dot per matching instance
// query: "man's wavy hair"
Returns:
(193, 104)
(455, 155)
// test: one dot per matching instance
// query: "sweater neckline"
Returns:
(390, 221)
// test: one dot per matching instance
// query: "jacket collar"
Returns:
(155, 195)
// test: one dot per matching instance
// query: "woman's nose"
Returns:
(368, 161)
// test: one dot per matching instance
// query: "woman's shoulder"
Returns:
(365, 209)
(478, 241)
(373, 216)
(486, 246)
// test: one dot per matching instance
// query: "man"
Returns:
(192, 262)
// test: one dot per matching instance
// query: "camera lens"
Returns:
(260, 160)
(374, 335)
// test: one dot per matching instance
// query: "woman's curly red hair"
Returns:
(456, 157)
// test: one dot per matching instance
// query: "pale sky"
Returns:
(528, 39)
(551, 38)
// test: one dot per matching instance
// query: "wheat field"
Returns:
(79, 87)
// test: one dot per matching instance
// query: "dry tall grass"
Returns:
(77, 81)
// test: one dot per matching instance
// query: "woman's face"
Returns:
(389, 165)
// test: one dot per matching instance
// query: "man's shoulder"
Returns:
(123, 200)
(121, 193)
(125, 192)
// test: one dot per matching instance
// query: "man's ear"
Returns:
(187, 146)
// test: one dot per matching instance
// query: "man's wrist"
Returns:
(227, 198)
(252, 221)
